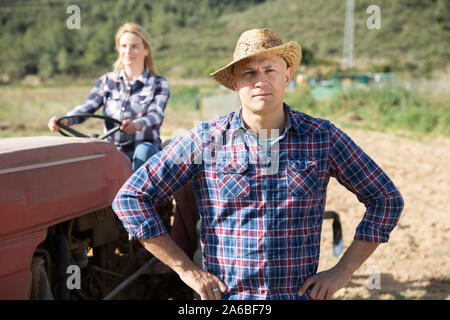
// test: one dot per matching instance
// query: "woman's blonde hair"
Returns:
(139, 31)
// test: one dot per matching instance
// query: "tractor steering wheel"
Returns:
(76, 133)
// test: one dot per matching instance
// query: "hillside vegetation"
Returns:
(192, 38)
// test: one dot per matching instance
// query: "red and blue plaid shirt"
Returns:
(144, 99)
(261, 212)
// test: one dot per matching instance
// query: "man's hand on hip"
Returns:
(325, 284)
(207, 285)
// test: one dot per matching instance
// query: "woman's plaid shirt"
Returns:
(261, 210)
(144, 99)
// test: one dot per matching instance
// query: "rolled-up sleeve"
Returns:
(93, 102)
(355, 170)
(159, 177)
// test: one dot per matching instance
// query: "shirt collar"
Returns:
(292, 121)
(291, 124)
(142, 78)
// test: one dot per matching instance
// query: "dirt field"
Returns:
(415, 263)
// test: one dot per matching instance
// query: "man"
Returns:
(260, 175)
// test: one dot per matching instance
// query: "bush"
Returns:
(388, 108)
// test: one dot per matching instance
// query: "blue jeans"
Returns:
(142, 152)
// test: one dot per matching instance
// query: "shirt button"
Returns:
(269, 228)
(123, 108)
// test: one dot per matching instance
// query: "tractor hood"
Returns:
(47, 180)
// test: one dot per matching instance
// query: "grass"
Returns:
(386, 109)
(26, 110)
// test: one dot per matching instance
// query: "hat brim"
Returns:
(291, 52)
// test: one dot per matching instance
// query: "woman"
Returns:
(132, 93)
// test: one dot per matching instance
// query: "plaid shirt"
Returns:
(260, 228)
(143, 99)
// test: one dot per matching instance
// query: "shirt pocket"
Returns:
(140, 103)
(302, 178)
(233, 180)
(113, 106)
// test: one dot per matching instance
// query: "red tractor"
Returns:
(59, 238)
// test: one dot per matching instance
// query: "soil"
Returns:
(415, 263)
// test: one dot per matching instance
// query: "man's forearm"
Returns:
(168, 252)
(355, 255)
(207, 285)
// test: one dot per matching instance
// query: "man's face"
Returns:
(261, 81)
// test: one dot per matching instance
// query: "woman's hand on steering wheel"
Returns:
(130, 126)
(53, 126)
(61, 125)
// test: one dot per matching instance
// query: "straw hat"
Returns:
(256, 42)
